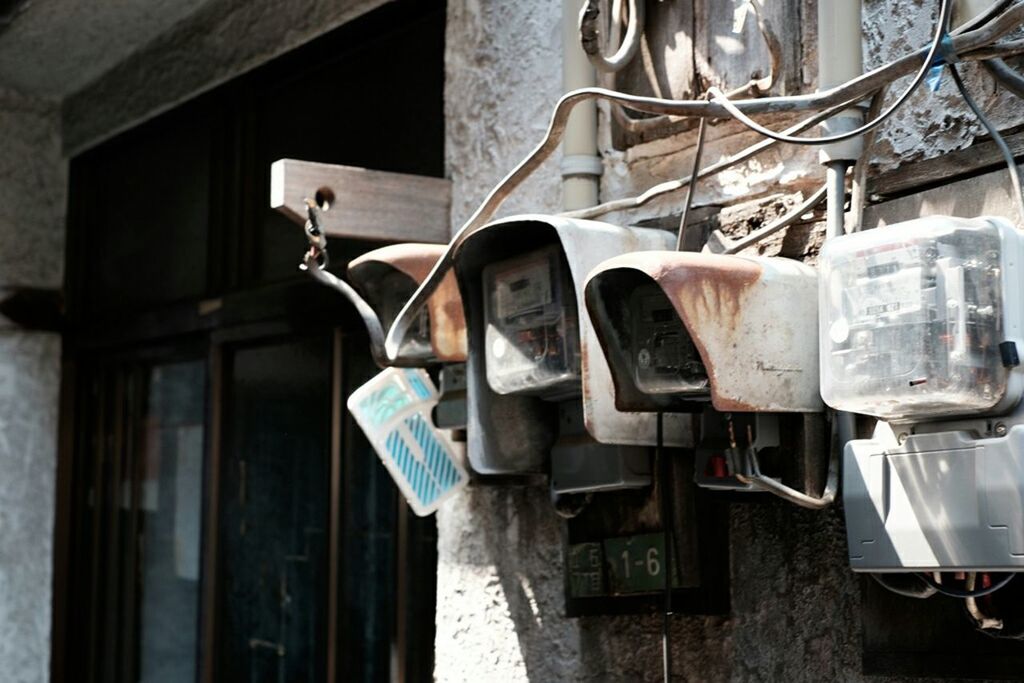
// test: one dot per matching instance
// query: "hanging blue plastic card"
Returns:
(394, 411)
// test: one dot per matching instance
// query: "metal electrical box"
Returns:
(537, 382)
(729, 339)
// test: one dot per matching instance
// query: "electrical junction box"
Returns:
(729, 339)
(388, 277)
(533, 357)
(921, 324)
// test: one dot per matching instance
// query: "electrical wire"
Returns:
(982, 621)
(957, 593)
(695, 173)
(590, 33)
(782, 223)
(993, 131)
(670, 186)
(1005, 76)
(665, 477)
(945, 10)
(775, 487)
(859, 184)
(983, 18)
(844, 94)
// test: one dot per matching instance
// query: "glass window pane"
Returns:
(170, 510)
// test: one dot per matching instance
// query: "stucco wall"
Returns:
(29, 383)
(32, 198)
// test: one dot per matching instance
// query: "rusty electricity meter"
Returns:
(387, 278)
(730, 338)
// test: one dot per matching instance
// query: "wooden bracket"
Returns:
(362, 203)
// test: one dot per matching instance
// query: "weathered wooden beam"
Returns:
(940, 170)
(362, 203)
(983, 195)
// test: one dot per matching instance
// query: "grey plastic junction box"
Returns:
(944, 501)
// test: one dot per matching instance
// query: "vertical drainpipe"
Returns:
(840, 58)
(581, 164)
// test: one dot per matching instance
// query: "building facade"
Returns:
(461, 90)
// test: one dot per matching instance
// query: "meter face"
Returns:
(664, 358)
(912, 319)
(388, 294)
(532, 335)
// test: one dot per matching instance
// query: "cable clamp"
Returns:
(581, 165)
(946, 54)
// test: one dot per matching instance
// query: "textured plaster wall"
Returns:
(33, 179)
(29, 382)
(32, 198)
(795, 605)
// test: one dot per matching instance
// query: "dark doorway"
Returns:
(221, 518)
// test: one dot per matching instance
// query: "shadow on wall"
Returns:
(795, 603)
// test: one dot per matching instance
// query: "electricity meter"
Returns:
(664, 357)
(388, 277)
(731, 338)
(537, 385)
(920, 326)
(914, 317)
(681, 329)
(531, 342)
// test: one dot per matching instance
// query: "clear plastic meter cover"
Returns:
(665, 360)
(912, 319)
(532, 335)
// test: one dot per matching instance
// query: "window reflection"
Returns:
(170, 508)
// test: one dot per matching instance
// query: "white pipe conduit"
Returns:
(581, 164)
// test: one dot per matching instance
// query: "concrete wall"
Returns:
(32, 198)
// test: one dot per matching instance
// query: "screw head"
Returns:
(901, 438)
(1001, 429)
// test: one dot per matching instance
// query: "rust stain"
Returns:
(704, 289)
(447, 316)
(448, 321)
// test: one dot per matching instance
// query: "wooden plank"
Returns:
(940, 170)
(363, 203)
(983, 195)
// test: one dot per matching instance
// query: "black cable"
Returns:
(941, 35)
(958, 593)
(984, 17)
(1011, 163)
(665, 476)
(691, 188)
